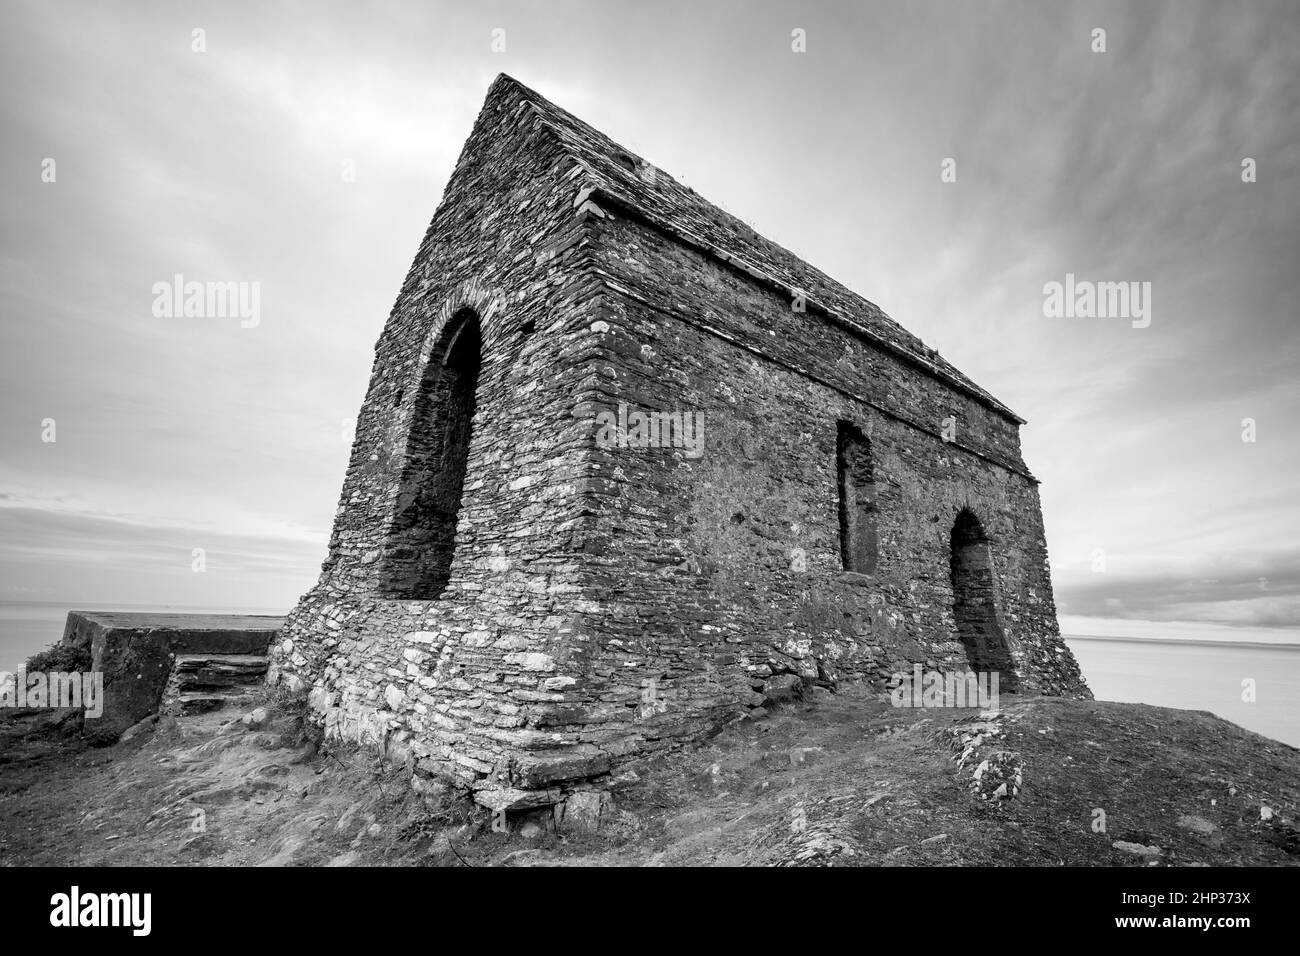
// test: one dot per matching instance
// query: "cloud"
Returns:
(138, 559)
(226, 166)
(1257, 589)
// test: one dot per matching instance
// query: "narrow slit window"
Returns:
(859, 543)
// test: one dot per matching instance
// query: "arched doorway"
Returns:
(422, 538)
(973, 606)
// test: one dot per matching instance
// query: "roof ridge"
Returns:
(642, 189)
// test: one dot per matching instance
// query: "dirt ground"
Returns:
(842, 780)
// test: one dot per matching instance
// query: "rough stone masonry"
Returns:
(511, 605)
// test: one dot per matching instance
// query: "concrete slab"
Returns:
(136, 654)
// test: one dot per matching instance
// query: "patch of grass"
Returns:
(293, 705)
(60, 657)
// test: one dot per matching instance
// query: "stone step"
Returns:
(194, 671)
(188, 703)
(205, 682)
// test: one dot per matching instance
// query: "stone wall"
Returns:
(453, 684)
(725, 575)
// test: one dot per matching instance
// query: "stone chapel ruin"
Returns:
(519, 598)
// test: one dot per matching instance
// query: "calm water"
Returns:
(1184, 674)
(1199, 676)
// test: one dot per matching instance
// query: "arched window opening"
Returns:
(973, 606)
(422, 539)
(857, 488)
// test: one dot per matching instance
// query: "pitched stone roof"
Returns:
(622, 179)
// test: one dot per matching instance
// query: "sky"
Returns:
(306, 145)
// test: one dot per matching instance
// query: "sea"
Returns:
(1254, 685)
